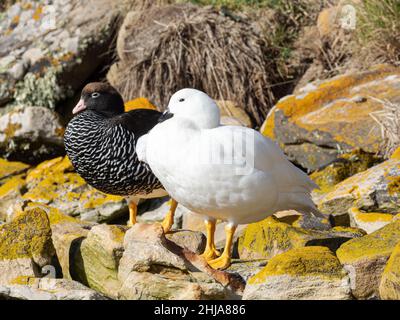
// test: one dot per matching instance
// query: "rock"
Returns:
(31, 134)
(346, 165)
(369, 221)
(365, 259)
(324, 119)
(139, 103)
(299, 220)
(389, 288)
(100, 254)
(61, 44)
(49, 289)
(25, 245)
(9, 193)
(376, 190)
(67, 234)
(269, 237)
(310, 273)
(194, 241)
(154, 268)
(53, 182)
(246, 269)
(231, 114)
(8, 169)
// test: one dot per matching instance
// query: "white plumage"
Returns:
(230, 173)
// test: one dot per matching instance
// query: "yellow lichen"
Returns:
(394, 185)
(139, 103)
(38, 13)
(27, 236)
(307, 261)
(12, 185)
(370, 216)
(378, 243)
(23, 280)
(8, 168)
(396, 154)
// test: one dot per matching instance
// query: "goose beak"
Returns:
(79, 107)
(165, 116)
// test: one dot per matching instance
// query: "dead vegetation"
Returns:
(389, 120)
(227, 59)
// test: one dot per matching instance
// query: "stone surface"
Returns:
(31, 134)
(100, 254)
(231, 114)
(60, 45)
(48, 289)
(365, 259)
(153, 267)
(389, 288)
(324, 119)
(10, 168)
(269, 237)
(374, 190)
(194, 241)
(369, 221)
(25, 245)
(53, 182)
(10, 192)
(312, 273)
(299, 220)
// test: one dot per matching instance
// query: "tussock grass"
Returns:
(378, 29)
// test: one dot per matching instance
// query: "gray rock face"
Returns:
(48, 49)
(31, 134)
(49, 289)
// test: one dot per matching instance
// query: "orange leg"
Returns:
(224, 261)
(169, 218)
(211, 251)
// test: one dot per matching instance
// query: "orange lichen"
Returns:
(139, 103)
(38, 13)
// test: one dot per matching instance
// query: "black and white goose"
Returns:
(100, 141)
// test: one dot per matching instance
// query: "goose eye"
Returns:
(181, 100)
(95, 94)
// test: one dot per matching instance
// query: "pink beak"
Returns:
(79, 107)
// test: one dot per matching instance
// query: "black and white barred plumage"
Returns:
(101, 146)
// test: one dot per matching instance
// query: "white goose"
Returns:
(230, 173)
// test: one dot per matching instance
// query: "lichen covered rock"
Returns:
(53, 182)
(365, 259)
(25, 245)
(373, 190)
(389, 287)
(269, 237)
(320, 121)
(50, 49)
(100, 253)
(10, 168)
(302, 273)
(369, 221)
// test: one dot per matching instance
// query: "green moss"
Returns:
(378, 243)
(307, 261)
(27, 236)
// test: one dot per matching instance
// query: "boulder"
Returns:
(369, 221)
(374, 190)
(299, 220)
(25, 245)
(153, 267)
(31, 134)
(193, 241)
(389, 288)
(10, 192)
(48, 289)
(365, 259)
(324, 119)
(232, 114)
(310, 273)
(11, 168)
(53, 182)
(98, 259)
(49, 50)
(269, 237)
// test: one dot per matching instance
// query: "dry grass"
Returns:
(205, 50)
(378, 30)
(389, 120)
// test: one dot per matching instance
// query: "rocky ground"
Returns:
(62, 239)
